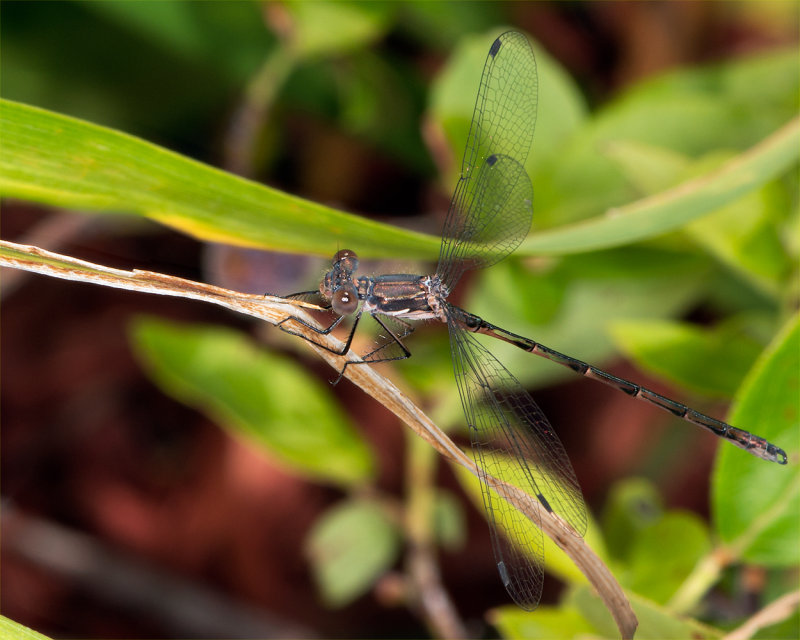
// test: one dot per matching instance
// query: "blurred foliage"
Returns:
(681, 537)
(96, 168)
(172, 83)
(582, 615)
(245, 390)
(729, 248)
(449, 525)
(672, 350)
(755, 511)
(351, 546)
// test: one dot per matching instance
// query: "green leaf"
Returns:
(62, 161)
(561, 107)
(562, 623)
(509, 290)
(439, 27)
(669, 210)
(581, 296)
(681, 537)
(655, 621)
(648, 168)
(267, 400)
(708, 361)
(728, 89)
(756, 504)
(690, 111)
(11, 630)
(745, 235)
(320, 28)
(448, 520)
(350, 547)
(632, 505)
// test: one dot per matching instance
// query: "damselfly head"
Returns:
(337, 285)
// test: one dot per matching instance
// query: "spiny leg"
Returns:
(370, 358)
(317, 330)
(323, 332)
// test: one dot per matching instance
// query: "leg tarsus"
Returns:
(340, 376)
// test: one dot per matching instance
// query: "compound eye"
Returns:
(346, 259)
(344, 253)
(345, 299)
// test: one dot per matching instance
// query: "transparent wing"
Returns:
(502, 126)
(497, 219)
(513, 441)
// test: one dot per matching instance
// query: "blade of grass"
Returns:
(58, 160)
(671, 209)
(54, 159)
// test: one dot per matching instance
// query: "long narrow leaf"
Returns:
(671, 209)
(55, 159)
